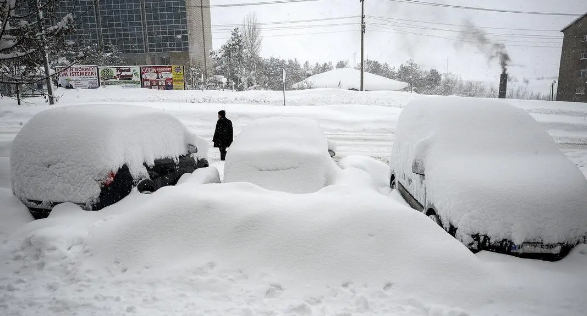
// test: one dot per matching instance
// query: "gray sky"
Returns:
(389, 37)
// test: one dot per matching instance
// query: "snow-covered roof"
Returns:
(62, 154)
(349, 78)
(574, 21)
(490, 168)
(283, 154)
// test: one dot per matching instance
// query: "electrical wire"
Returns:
(452, 6)
(459, 25)
(244, 4)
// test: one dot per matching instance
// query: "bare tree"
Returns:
(252, 35)
(252, 46)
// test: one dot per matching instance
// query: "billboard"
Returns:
(162, 77)
(79, 77)
(178, 82)
(118, 75)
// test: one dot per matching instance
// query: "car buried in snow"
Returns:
(282, 154)
(94, 155)
(490, 175)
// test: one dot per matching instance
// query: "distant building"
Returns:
(572, 76)
(146, 31)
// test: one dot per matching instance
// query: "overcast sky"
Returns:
(391, 28)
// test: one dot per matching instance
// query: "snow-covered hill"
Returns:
(349, 78)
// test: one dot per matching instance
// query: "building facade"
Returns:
(146, 31)
(572, 77)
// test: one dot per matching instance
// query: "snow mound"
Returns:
(201, 176)
(489, 168)
(243, 226)
(282, 154)
(62, 154)
(378, 171)
(13, 214)
(349, 78)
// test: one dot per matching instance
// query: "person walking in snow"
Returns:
(223, 134)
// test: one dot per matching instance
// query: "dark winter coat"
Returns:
(223, 133)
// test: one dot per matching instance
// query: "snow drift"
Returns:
(62, 154)
(491, 169)
(282, 154)
(349, 78)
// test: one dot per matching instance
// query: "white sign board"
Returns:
(79, 77)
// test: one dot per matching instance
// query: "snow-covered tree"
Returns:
(229, 61)
(29, 32)
(342, 64)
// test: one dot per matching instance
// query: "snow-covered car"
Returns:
(281, 154)
(94, 155)
(490, 175)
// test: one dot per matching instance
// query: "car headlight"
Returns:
(192, 149)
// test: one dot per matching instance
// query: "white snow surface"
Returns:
(378, 171)
(53, 266)
(13, 214)
(282, 154)
(350, 78)
(62, 154)
(490, 169)
(201, 176)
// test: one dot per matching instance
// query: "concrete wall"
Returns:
(571, 63)
(199, 33)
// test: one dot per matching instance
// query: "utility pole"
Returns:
(552, 90)
(362, 41)
(44, 51)
(283, 79)
(204, 39)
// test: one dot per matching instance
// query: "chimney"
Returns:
(503, 85)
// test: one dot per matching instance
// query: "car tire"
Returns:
(392, 181)
(434, 217)
(202, 163)
(331, 152)
(146, 186)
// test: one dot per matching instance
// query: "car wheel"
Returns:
(146, 186)
(435, 219)
(202, 163)
(392, 181)
(331, 152)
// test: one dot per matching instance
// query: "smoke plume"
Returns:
(470, 34)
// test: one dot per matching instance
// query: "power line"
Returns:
(458, 39)
(386, 26)
(294, 21)
(400, 32)
(460, 25)
(297, 34)
(532, 36)
(296, 27)
(452, 6)
(244, 4)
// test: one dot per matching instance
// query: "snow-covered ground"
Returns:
(352, 248)
(348, 78)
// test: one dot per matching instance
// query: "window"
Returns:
(584, 38)
(583, 55)
(580, 90)
(583, 73)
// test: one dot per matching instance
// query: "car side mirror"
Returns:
(192, 149)
(418, 167)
